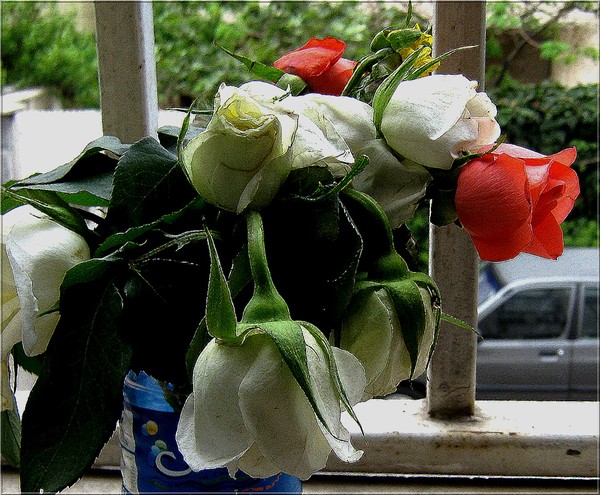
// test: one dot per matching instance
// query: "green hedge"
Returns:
(42, 47)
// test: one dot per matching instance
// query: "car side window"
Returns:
(589, 324)
(529, 314)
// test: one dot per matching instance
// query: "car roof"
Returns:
(574, 263)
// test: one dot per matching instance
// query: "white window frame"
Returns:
(449, 433)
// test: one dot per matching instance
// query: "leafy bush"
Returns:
(42, 47)
(190, 65)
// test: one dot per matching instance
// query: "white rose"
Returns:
(433, 119)
(397, 186)
(252, 142)
(351, 118)
(36, 254)
(372, 332)
(248, 412)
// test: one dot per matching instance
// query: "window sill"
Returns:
(504, 438)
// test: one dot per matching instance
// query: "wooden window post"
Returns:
(453, 259)
(127, 68)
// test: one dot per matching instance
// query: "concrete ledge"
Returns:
(504, 438)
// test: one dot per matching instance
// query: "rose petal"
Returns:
(492, 197)
(211, 431)
(397, 186)
(271, 402)
(40, 253)
(312, 59)
(547, 240)
(368, 323)
(333, 81)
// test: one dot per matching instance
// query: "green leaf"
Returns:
(410, 310)
(10, 435)
(357, 168)
(241, 274)
(168, 136)
(148, 183)
(333, 371)
(289, 340)
(33, 364)
(386, 90)
(221, 320)
(402, 38)
(261, 70)
(183, 132)
(52, 205)
(458, 322)
(86, 180)
(120, 239)
(77, 400)
(423, 69)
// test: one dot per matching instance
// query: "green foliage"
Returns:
(531, 24)
(42, 47)
(190, 65)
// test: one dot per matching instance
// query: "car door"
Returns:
(525, 352)
(583, 379)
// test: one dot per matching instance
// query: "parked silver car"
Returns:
(539, 325)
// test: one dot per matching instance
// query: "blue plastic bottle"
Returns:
(150, 460)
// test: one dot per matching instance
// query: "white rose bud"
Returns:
(397, 186)
(36, 254)
(432, 120)
(255, 138)
(372, 331)
(248, 412)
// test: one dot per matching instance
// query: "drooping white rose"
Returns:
(432, 120)
(36, 254)
(372, 332)
(397, 186)
(252, 142)
(248, 412)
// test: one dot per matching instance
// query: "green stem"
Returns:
(266, 303)
(387, 264)
(363, 67)
(178, 240)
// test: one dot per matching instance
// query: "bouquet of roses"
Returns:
(258, 260)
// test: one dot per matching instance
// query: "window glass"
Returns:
(488, 285)
(589, 324)
(529, 314)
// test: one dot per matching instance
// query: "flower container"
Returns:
(151, 461)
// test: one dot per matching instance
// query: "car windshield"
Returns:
(488, 285)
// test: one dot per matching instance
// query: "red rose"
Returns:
(513, 200)
(320, 64)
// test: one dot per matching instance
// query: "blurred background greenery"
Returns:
(45, 44)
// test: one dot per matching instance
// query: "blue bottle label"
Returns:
(151, 462)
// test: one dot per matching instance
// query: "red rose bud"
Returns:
(320, 64)
(513, 200)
